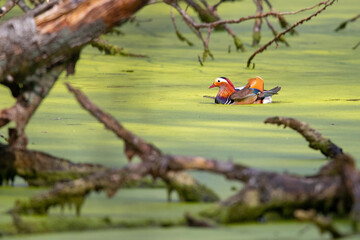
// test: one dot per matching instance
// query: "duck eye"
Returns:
(218, 81)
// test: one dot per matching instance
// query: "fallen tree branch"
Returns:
(263, 192)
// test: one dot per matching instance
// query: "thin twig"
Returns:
(178, 34)
(199, 59)
(343, 24)
(257, 23)
(243, 19)
(218, 4)
(356, 45)
(264, 47)
(273, 30)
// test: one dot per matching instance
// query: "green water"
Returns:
(160, 98)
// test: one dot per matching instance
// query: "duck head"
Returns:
(226, 88)
(222, 82)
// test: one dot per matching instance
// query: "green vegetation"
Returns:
(160, 98)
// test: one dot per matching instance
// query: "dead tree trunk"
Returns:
(37, 47)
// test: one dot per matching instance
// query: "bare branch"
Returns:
(264, 47)
(258, 23)
(243, 19)
(151, 156)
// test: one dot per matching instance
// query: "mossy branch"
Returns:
(40, 169)
(110, 49)
(315, 139)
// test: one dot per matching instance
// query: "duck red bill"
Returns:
(212, 86)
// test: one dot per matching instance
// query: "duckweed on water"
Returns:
(160, 98)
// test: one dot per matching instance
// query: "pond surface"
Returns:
(160, 98)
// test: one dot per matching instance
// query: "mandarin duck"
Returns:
(252, 93)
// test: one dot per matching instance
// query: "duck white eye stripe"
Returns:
(221, 80)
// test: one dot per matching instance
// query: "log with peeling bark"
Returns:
(37, 47)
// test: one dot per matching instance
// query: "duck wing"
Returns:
(244, 96)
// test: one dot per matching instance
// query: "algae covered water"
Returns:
(160, 98)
